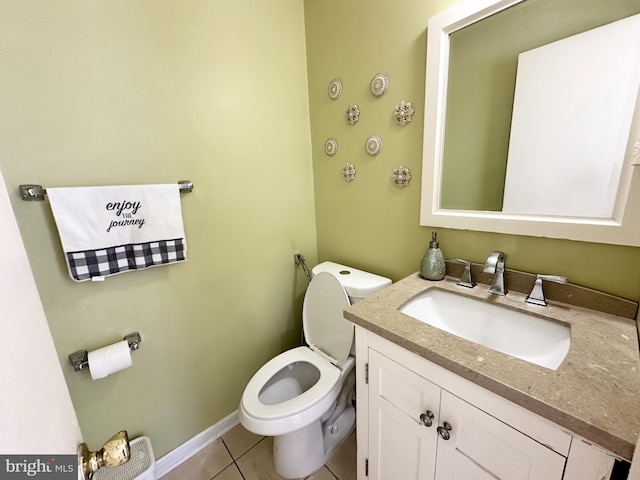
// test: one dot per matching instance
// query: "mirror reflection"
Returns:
(513, 109)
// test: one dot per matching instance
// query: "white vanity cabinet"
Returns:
(419, 421)
(404, 411)
(484, 448)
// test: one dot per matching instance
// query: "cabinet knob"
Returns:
(427, 418)
(444, 430)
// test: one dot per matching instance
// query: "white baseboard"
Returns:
(188, 449)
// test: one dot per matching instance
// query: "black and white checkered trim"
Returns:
(109, 261)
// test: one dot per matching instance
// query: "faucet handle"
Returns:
(537, 293)
(553, 278)
(465, 280)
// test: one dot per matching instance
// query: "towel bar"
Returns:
(80, 359)
(37, 192)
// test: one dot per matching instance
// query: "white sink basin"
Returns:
(534, 339)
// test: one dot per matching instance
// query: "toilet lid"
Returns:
(325, 328)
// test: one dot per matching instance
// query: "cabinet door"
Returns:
(401, 446)
(481, 447)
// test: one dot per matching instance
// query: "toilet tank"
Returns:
(357, 283)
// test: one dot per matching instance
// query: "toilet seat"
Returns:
(329, 376)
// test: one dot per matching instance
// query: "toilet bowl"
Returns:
(303, 397)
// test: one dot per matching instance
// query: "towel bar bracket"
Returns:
(32, 193)
(185, 186)
(80, 359)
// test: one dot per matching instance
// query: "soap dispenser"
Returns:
(433, 266)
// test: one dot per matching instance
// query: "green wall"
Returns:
(370, 223)
(155, 91)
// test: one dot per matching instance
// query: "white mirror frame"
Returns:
(622, 229)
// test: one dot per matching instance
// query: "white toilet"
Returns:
(303, 397)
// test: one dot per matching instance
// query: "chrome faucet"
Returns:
(495, 265)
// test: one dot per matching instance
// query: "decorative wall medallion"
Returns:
(331, 147)
(335, 88)
(373, 145)
(348, 172)
(353, 114)
(401, 177)
(403, 113)
(379, 84)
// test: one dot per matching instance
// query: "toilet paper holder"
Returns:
(80, 359)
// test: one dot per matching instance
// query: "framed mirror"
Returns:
(532, 119)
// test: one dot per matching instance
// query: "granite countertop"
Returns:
(594, 393)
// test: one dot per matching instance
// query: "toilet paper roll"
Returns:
(109, 359)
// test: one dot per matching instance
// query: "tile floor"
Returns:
(242, 455)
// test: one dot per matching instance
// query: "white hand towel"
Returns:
(110, 230)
